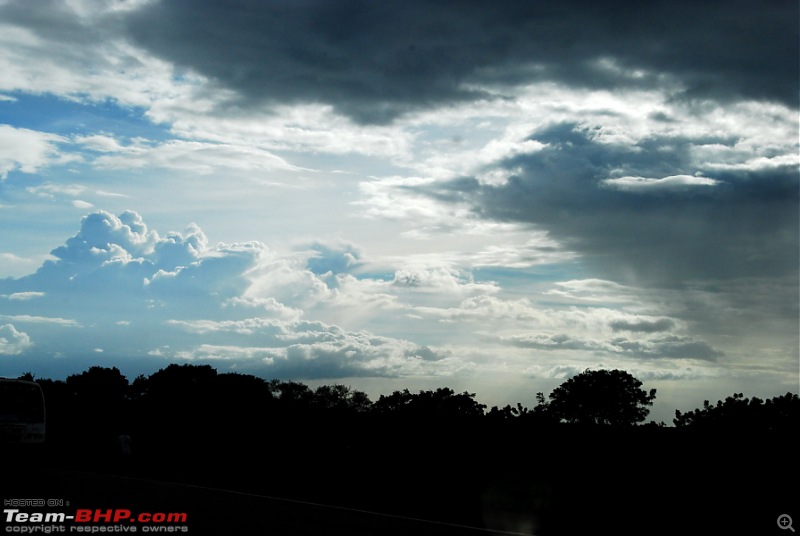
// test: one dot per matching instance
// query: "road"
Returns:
(208, 510)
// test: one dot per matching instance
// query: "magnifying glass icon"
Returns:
(785, 522)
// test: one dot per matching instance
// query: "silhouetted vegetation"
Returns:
(738, 413)
(601, 397)
(435, 453)
(442, 404)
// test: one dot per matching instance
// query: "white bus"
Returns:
(22, 414)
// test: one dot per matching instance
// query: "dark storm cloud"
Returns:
(376, 60)
(76, 42)
(668, 347)
(643, 326)
(740, 224)
(664, 347)
(51, 18)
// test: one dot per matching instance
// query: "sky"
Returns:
(488, 196)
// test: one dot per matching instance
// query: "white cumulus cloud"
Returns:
(12, 341)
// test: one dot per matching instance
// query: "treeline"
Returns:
(189, 408)
(103, 397)
(434, 454)
(779, 413)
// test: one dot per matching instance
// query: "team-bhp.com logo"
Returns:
(94, 521)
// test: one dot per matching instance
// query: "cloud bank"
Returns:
(496, 194)
(313, 315)
(374, 62)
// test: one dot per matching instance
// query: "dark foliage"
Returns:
(601, 397)
(739, 413)
(434, 454)
(441, 404)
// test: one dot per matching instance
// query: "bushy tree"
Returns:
(98, 408)
(739, 413)
(601, 397)
(443, 403)
(99, 386)
(341, 399)
(507, 412)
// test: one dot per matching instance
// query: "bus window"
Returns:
(22, 415)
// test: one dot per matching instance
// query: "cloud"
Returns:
(440, 280)
(29, 319)
(213, 278)
(16, 265)
(195, 157)
(673, 182)
(481, 190)
(325, 259)
(746, 225)
(374, 62)
(26, 295)
(593, 290)
(672, 347)
(105, 237)
(247, 326)
(99, 143)
(645, 326)
(561, 341)
(121, 269)
(27, 150)
(315, 350)
(13, 342)
(107, 245)
(194, 299)
(56, 48)
(51, 190)
(666, 347)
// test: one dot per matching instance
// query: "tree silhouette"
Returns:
(99, 409)
(182, 382)
(340, 399)
(507, 412)
(292, 396)
(443, 403)
(739, 413)
(601, 397)
(99, 386)
(447, 457)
